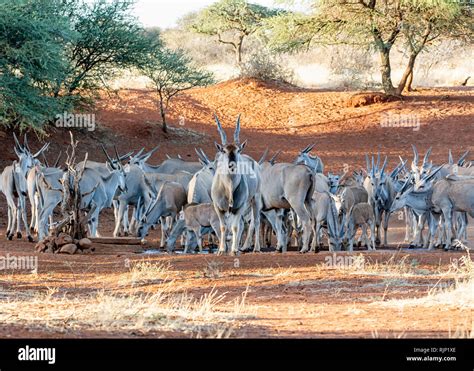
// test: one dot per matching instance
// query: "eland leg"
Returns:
(25, 219)
(223, 232)
(236, 233)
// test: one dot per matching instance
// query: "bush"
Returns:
(204, 50)
(352, 66)
(264, 66)
(31, 62)
(54, 52)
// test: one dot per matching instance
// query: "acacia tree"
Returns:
(32, 60)
(108, 38)
(416, 23)
(52, 52)
(170, 73)
(424, 28)
(231, 21)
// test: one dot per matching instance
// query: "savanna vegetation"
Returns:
(57, 55)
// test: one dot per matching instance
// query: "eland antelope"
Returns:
(235, 187)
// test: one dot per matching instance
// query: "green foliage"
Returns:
(375, 23)
(228, 15)
(265, 66)
(231, 21)
(109, 39)
(53, 53)
(172, 72)
(32, 35)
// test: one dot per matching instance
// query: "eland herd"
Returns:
(241, 203)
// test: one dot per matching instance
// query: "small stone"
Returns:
(40, 246)
(85, 243)
(63, 239)
(70, 248)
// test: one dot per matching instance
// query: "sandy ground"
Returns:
(390, 293)
(394, 292)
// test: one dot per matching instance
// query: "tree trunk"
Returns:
(238, 54)
(408, 87)
(407, 73)
(164, 126)
(386, 70)
(238, 50)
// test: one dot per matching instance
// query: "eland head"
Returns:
(26, 159)
(229, 154)
(313, 162)
(116, 168)
(140, 158)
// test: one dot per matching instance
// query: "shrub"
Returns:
(262, 65)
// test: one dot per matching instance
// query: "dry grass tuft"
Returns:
(167, 308)
(460, 294)
(213, 270)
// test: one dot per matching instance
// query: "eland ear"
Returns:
(242, 146)
(219, 147)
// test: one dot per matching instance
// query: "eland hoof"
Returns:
(30, 239)
(18, 235)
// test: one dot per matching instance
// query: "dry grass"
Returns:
(152, 297)
(397, 266)
(161, 310)
(146, 272)
(212, 270)
(460, 294)
(465, 331)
